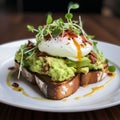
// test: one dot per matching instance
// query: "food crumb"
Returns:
(15, 84)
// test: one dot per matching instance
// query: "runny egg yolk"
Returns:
(78, 47)
(72, 35)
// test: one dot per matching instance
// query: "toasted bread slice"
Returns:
(51, 89)
(91, 77)
(59, 90)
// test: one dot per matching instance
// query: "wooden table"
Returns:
(13, 27)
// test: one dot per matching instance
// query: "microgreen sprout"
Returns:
(31, 28)
(24, 51)
(54, 28)
(69, 15)
(49, 19)
(21, 61)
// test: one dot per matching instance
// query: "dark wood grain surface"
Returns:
(13, 27)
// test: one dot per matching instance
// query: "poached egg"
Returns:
(64, 46)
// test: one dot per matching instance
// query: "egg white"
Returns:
(64, 47)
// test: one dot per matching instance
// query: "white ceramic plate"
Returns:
(101, 95)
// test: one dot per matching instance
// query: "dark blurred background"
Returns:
(105, 7)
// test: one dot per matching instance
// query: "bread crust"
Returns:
(59, 90)
(91, 77)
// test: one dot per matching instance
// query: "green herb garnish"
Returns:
(111, 68)
(69, 15)
(25, 51)
(49, 19)
(31, 28)
(54, 28)
(21, 61)
(95, 47)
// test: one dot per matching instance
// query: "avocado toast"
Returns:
(62, 59)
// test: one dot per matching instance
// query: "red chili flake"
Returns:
(85, 40)
(93, 59)
(82, 45)
(30, 44)
(15, 84)
(47, 37)
(41, 54)
(110, 74)
(93, 54)
(46, 68)
(69, 33)
(89, 42)
(12, 68)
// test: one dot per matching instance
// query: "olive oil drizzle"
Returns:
(20, 89)
(94, 89)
